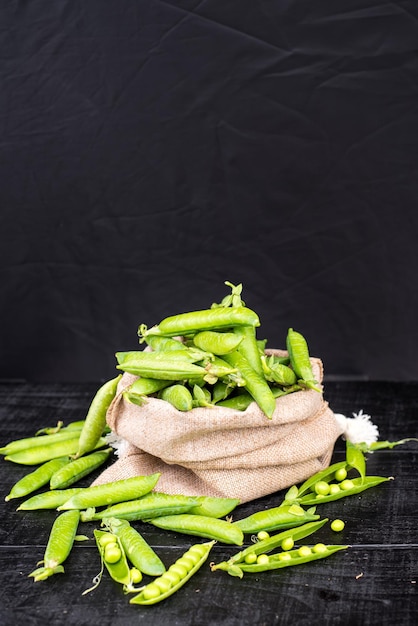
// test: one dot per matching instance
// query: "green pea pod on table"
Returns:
(152, 504)
(276, 518)
(137, 550)
(27, 443)
(265, 546)
(48, 499)
(40, 454)
(202, 526)
(354, 486)
(178, 396)
(95, 421)
(111, 493)
(38, 478)
(176, 576)
(71, 473)
(59, 545)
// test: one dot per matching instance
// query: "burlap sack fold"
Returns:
(222, 452)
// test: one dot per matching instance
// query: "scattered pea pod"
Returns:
(71, 473)
(95, 421)
(202, 526)
(38, 478)
(137, 550)
(276, 518)
(59, 545)
(48, 499)
(299, 358)
(176, 575)
(111, 493)
(40, 454)
(26, 443)
(114, 559)
(354, 486)
(152, 504)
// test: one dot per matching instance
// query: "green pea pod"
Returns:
(71, 473)
(59, 545)
(40, 454)
(119, 569)
(111, 493)
(213, 506)
(60, 428)
(196, 321)
(152, 504)
(248, 347)
(95, 421)
(37, 479)
(327, 474)
(168, 369)
(178, 396)
(382, 445)
(143, 387)
(255, 384)
(138, 356)
(276, 518)
(359, 485)
(20, 445)
(293, 557)
(202, 526)
(355, 459)
(137, 550)
(176, 576)
(267, 545)
(164, 344)
(299, 358)
(218, 343)
(48, 499)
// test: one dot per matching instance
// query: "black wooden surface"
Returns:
(373, 582)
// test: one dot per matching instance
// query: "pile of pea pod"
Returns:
(212, 357)
(65, 454)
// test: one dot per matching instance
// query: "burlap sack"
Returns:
(222, 452)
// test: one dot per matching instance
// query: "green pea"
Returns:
(60, 543)
(319, 547)
(263, 559)
(340, 474)
(263, 534)
(107, 538)
(287, 544)
(347, 485)
(304, 551)
(136, 575)
(112, 553)
(250, 558)
(334, 488)
(337, 525)
(322, 488)
(114, 559)
(285, 556)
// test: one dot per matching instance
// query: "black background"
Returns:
(151, 150)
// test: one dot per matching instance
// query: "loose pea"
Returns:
(287, 544)
(337, 525)
(321, 488)
(304, 551)
(340, 474)
(136, 575)
(346, 484)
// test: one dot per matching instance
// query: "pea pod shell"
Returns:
(205, 550)
(37, 479)
(120, 571)
(360, 484)
(111, 493)
(41, 454)
(48, 499)
(95, 421)
(77, 469)
(275, 518)
(202, 526)
(27, 443)
(276, 563)
(137, 550)
(152, 504)
(169, 369)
